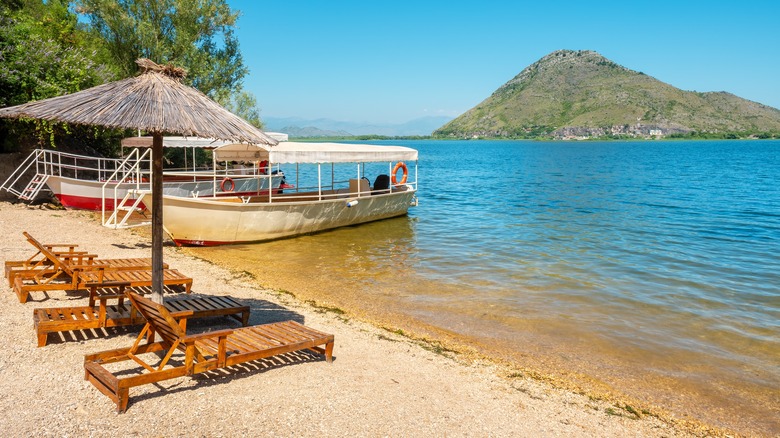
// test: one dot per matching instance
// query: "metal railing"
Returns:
(130, 178)
(46, 162)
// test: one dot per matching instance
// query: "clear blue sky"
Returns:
(393, 61)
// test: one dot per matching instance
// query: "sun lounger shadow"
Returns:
(236, 372)
(85, 335)
(266, 312)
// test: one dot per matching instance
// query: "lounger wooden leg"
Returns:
(42, 339)
(122, 397)
(329, 351)
(19, 289)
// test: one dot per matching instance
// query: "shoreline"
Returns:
(646, 376)
(386, 383)
(468, 350)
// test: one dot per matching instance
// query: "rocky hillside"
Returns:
(580, 94)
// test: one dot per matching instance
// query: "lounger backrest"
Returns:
(56, 261)
(158, 317)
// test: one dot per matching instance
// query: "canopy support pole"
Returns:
(157, 218)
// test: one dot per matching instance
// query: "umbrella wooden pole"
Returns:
(157, 218)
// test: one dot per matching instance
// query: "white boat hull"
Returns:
(208, 222)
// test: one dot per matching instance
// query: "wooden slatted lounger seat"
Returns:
(42, 260)
(125, 264)
(70, 270)
(70, 276)
(122, 313)
(38, 260)
(201, 352)
(98, 278)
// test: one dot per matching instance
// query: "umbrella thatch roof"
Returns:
(154, 101)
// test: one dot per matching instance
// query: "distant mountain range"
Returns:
(299, 127)
(581, 94)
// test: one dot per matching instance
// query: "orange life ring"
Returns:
(401, 166)
(262, 167)
(224, 183)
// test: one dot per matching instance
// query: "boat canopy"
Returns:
(286, 152)
(188, 142)
(296, 152)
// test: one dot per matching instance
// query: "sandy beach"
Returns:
(379, 384)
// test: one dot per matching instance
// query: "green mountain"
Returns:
(576, 94)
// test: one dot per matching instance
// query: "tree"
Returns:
(197, 35)
(43, 54)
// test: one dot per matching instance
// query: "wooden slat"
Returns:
(242, 341)
(274, 332)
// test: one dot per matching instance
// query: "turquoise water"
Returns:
(650, 268)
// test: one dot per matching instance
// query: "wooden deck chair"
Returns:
(62, 319)
(96, 276)
(201, 352)
(66, 273)
(38, 260)
(43, 262)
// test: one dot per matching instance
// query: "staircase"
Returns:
(127, 211)
(33, 187)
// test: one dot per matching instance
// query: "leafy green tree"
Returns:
(43, 54)
(197, 35)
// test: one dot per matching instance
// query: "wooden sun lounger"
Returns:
(46, 271)
(61, 319)
(64, 274)
(201, 353)
(99, 278)
(38, 260)
(44, 263)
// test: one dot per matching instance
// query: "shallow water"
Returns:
(647, 269)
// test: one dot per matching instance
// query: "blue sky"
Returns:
(394, 61)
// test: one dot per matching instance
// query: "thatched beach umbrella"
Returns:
(154, 101)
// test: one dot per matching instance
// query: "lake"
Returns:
(646, 269)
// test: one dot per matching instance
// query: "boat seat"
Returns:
(381, 184)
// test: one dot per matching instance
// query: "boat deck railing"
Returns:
(314, 194)
(44, 163)
(133, 170)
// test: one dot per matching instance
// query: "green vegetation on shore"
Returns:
(54, 47)
(693, 135)
(361, 138)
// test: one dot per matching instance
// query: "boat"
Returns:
(323, 197)
(100, 184)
